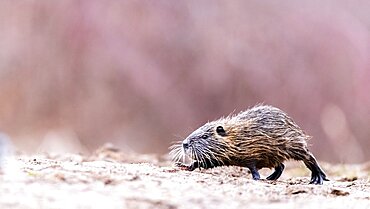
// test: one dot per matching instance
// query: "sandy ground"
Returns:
(112, 179)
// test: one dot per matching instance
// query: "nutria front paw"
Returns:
(182, 166)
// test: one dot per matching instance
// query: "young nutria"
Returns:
(260, 137)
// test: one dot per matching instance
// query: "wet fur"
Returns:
(260, 137)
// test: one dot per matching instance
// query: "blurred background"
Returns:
(142, 74)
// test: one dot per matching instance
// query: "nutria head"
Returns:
(211, 144)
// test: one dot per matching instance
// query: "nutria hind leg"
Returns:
(277, 173)
(318, 175)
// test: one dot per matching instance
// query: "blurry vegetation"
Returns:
(141, 74)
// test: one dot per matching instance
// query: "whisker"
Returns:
(208, 157)
(175, 144)
(177, 156)
(200, 156)
(176, 152)
(196, 155)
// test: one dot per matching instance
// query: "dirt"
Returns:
(110, 178)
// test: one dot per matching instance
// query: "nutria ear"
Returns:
(221, 131)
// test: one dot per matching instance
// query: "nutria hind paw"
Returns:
(318, 179)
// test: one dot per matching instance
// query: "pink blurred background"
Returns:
(141, 74)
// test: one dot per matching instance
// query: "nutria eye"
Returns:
(204, 136)
(221, 131)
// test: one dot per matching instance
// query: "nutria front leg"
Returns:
(194, 165)
(190, 167)
(254, 172)
(205, 164)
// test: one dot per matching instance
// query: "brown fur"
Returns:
(260, 137)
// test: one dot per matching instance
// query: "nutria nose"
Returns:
(185, 144)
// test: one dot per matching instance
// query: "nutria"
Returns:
(260, 137)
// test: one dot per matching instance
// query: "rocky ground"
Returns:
(113, 179)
